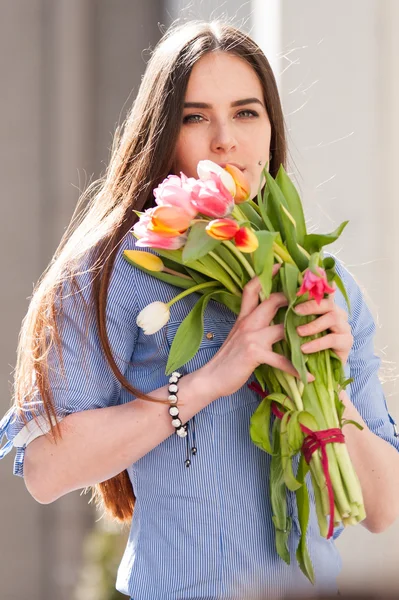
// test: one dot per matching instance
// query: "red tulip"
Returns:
(246, 240)
(222, 229)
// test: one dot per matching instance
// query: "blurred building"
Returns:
(69, 71)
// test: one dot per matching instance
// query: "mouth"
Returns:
(223, 165)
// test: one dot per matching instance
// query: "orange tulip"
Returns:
(222, 229)
(246, 240)
(243, 189)
(169, 221)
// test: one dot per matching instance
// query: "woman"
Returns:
(203, 532)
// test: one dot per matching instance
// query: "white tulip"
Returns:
(153, 317)
(206, 167)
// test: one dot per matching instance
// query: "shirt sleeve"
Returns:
(88, 381)
(366, 391)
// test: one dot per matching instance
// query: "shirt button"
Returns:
(209, 335)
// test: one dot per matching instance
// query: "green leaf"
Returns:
(340, 285)
(283, 400)
(303, 505)
(351, 422)
(196, 275)
(209, 266)
(281, 522)
(259, 428)
(198, 243)
(232, 262)
(295, 342)
(271, 224)
(328, 263)
(252, 215)
(275, 199)
(294, 203)
(289, 279)
(294, 433)
(232, 302)
(264, 259)
(286, 455)
(314, 242)
(188, 336)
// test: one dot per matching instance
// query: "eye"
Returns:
(192, 119)
(247, 113)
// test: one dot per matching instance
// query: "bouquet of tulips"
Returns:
(210, 237)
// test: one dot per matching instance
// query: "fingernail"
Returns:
(299, 309)
(311, 378)
(304, 347)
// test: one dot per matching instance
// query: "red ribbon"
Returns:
(312, 442)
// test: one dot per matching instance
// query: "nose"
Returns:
(223, 140)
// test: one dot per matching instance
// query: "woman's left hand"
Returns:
(333, 318)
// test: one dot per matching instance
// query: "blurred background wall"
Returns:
(69, 71)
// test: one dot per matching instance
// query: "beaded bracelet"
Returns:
(180, 429)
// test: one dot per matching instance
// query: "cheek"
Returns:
(185, 157)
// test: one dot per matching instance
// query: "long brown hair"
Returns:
(141, 157)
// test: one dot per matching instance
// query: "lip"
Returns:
(223, 165)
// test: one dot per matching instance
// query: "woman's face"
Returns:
(224, 118)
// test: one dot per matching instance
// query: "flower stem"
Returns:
(195, 288)
(226, 268)
(177, 273)
(240, 257)
(282, 252)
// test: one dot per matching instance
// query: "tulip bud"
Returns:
(243, 188)
(246, 240)
(149, 261)
(153, 317)
(222, 229)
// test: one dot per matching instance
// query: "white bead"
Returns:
(181, 432)
(173, 387)
(173, 379)
(176, 374)
(173, 411)
(172, 398)
(176, 423)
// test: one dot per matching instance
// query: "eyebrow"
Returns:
(241, 102)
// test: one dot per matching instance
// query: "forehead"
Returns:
(219, 75)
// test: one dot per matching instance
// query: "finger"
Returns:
(275, 333)
(283, 364)
(275, 269)
(267, 310)
(312, 308)
(334, 341)
(250, 297)
(330, 320)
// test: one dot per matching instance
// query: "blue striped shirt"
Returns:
(205, 532)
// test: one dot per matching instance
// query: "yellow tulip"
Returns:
(243, 188)
(145, 259)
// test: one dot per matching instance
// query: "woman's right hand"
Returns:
(249, 343)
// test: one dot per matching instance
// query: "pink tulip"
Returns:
(153, 239)
(212, 198)
(176, 191)
(316, 285)
(169, 221)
